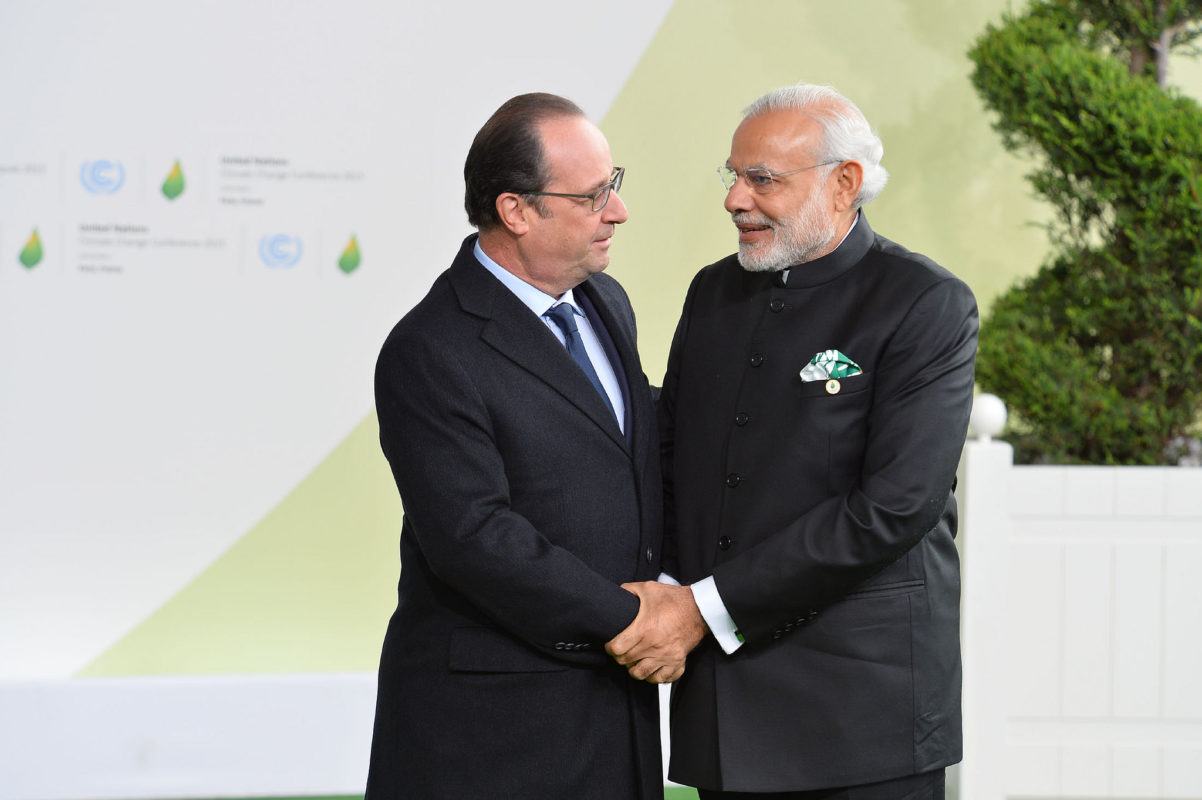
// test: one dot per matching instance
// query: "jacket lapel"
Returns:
(618, 348)
(516, 333)
(640, 412)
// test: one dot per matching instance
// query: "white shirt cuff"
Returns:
(713, 611)
(668, 579)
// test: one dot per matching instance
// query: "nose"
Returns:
(738, 197)
(615, 210)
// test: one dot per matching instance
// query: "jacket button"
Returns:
(724, 543)
(742, 419)
(757, 359)
(650, 555)
(777, 305)
(734, 479)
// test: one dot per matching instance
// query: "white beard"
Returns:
(796, 239)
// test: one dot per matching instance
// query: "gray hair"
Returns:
(846, 134)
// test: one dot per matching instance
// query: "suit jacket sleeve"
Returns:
(436, 432)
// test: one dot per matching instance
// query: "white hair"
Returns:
(846, 134)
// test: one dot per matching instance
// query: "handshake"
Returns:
(668, 626)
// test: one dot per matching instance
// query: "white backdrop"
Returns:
(168, 369)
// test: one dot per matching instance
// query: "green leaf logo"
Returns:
(349, 261)
(173, 186)
(31, 255)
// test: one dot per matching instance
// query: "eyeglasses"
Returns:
(599, 198)
(761, 179)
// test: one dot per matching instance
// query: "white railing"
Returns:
(1082, 628)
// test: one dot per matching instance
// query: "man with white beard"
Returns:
(812, 417)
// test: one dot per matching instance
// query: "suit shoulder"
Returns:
(430, 319)
(906, 263)
(915, 272)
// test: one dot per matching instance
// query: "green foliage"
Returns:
(1098, 354)
(1141, 33)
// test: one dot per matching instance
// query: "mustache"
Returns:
(747, 218)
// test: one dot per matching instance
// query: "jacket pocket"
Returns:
(886, 589)
(847, 386)
(487, 650)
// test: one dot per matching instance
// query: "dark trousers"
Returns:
(927, 786)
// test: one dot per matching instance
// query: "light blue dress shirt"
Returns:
(540, 303)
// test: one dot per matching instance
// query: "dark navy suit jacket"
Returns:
(525, 509)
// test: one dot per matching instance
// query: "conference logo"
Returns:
(102, 176)
(173, 184)
(349, 261)
(280, 250)
(31, 254)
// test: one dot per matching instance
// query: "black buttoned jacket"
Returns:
(825, 514)
(525, 509)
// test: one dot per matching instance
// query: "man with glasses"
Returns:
(521, 432)
(813, 413)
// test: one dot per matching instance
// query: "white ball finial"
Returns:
(988, 416)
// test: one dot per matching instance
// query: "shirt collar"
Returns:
(532, 297)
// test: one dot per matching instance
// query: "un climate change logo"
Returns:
(102, 176)
(280, 250)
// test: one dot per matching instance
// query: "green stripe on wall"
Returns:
(308, 589)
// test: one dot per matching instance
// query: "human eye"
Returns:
(601, 191)
(758, 178)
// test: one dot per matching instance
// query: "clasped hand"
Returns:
(668, 626)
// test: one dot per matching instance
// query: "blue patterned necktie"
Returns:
(563, 316)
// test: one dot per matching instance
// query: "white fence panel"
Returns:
(1098, 630)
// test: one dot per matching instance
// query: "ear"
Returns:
(848, 176)
(512, 211)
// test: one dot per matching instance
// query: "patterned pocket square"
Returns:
(829, 364)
